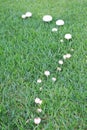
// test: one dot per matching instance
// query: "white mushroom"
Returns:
(28, 14)
(23, 16)
(59, 22)
(54, 29)
(47, 18)
(68, 36)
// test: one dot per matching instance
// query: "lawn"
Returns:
(28, 48)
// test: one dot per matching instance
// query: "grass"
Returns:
(27, 49)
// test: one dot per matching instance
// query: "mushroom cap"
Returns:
(23, 16)
(68, 36)
(60, 22)
(47, 18)
(28, 14)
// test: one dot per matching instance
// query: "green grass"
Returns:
(27, 49)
